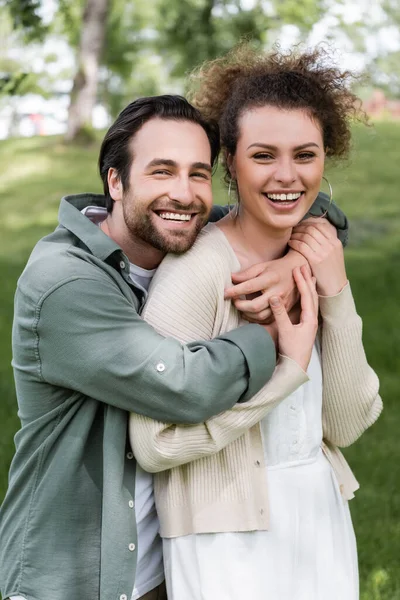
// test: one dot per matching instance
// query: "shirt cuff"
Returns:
(260, 354)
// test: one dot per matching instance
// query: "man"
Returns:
(83, 358)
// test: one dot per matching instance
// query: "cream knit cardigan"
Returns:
(210, 477)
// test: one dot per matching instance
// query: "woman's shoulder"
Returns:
(211, 249)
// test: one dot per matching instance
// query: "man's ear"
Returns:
(114, 184)
(230, 163)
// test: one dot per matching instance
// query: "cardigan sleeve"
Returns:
(186, 302)
(351, 401)
(159, 446)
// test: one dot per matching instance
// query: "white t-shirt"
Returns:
(150, 568)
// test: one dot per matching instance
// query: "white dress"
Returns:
(309, 553)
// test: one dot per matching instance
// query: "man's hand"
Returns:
(317, 241)
(272, 278)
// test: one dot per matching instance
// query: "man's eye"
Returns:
(201, 175)
(161, 172)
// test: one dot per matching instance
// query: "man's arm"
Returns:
(91, 339)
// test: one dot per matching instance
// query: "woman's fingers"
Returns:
(279, 311)
(308, 295)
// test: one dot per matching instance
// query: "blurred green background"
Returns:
(38, 171)
(55, 77)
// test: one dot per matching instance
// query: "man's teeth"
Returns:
(284, 197)
(175, 216)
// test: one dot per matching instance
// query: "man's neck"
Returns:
(139, 253)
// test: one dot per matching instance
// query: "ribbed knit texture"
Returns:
(211, 477)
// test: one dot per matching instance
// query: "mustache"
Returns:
(193, 207)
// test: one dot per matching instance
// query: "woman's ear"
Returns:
(114, 184)
(230, 163)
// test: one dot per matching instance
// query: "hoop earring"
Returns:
(230, 206)
(330, 196)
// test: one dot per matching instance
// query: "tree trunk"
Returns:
(84, 90)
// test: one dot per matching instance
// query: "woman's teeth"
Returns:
(175, 216)
(284, 197)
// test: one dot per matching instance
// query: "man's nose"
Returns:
(181, 190)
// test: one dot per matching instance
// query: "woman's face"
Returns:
(278, 165)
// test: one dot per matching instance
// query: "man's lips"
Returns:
(176, 218)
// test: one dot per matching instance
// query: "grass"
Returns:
(38, 171)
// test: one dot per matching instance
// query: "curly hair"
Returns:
(223, 89)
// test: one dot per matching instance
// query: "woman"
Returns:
(253, 503)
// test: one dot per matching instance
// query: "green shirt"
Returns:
(82, 359)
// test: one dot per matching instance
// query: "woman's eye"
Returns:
(263, 156)
(306, 156)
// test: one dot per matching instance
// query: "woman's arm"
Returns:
(351, 402)
(186, 301)
(158, 446)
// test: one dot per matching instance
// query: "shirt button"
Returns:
(122, 264)
(123, 597)
(261, 511)
(131, 503)
(131, 547)
(129, 455)
(257, 463)
(160, 367)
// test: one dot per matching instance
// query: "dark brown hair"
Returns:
(245, 78)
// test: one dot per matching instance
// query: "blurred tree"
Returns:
(191, 31)
(91, 43)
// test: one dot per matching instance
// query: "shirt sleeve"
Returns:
(89, 338)
(334, 215)
(187, 302)
(159, 446)
(351, 401)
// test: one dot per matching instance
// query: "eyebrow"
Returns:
(271, 147)
(156, 162)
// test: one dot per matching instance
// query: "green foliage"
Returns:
(192, 31)
(26, 18)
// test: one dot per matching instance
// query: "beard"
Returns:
(142, 224)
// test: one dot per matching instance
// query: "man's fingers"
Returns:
(249, 273)
(252, 286)
(263, 317)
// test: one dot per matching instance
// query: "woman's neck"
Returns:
(252, 241)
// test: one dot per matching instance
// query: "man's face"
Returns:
(169, 196)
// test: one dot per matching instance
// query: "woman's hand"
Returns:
(296, 341)
(317, 241)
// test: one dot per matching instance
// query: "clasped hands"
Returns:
(314, 244)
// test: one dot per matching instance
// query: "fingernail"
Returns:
(275, 301)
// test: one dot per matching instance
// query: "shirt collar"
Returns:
(70, 217)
